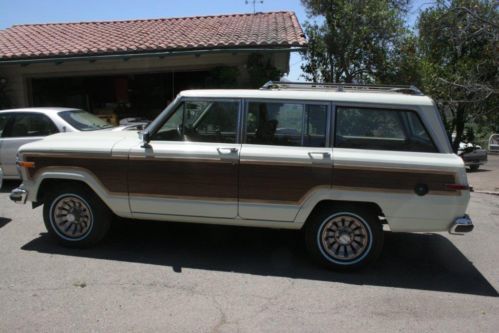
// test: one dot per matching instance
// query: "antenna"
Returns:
(254, 2)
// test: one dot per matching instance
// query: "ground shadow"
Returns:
(477, 171)
(414, 261)
(4, 221)
(8, 185)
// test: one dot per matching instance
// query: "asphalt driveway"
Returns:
(150, 276)
(486, 178)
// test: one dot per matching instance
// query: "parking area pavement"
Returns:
(486, 178)
(150, 276)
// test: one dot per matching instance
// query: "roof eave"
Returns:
(159, 54)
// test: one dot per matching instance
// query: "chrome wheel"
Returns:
(71, 217)
(344, 238)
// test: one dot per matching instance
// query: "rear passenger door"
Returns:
(284, 157)
(23, 128)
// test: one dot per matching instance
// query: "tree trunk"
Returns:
(460, 122)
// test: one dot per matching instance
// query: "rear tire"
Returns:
(474, 167)
(344, 237)
(75, 216)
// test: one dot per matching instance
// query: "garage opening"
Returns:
(118, 96)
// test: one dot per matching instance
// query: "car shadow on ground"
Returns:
(9, 185)
(478, 171)
(413, 261)
(4, 221)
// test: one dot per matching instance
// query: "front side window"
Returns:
(286, 124)
(381, 129)
(31, 124)
(83, 120)
(201, 121)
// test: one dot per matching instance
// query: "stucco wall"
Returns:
(19, 76)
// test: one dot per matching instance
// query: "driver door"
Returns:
(190, 167)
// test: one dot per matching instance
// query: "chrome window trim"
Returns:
(332, 124)
(303, 117)
(242, 121)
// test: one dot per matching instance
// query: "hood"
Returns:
(85, 142)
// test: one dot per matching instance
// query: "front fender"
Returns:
(117, 202)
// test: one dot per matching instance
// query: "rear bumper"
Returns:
(461, 225)
(19, 195)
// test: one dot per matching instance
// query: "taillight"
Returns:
(457, 187)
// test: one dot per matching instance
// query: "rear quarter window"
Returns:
(381, 129)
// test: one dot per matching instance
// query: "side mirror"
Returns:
(146, 137)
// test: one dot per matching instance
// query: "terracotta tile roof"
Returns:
(274, 29)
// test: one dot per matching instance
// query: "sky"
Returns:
(55, 11)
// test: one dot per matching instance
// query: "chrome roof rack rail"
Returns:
(283, 85)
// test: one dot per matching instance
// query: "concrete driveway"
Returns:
(189, 278)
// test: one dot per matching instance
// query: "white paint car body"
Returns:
(404, 209)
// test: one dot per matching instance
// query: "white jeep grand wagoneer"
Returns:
(338, 161)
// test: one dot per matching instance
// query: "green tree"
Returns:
(261, 70)
(458, 43)
(354, 40)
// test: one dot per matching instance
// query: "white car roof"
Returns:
(39, 109)
(374, 97)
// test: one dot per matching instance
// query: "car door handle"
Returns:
(226, 151)
(324, 154)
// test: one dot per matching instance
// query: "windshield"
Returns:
(83, 120)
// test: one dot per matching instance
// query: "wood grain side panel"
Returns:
(280, 183)
(388, 180)
(183, 178)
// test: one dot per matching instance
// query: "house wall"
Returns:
(18, 76)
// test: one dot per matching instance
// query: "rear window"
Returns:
(381, 129)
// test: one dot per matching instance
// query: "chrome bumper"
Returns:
(19, 195)
(461, 225)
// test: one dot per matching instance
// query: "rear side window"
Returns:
(380, 129)
(31, 124)
(286, 124)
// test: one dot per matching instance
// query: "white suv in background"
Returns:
(338, 161)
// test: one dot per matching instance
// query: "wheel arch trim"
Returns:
(117, 202)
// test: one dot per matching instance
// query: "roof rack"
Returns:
(410, 90)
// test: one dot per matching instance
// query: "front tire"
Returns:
(75, 216)
(344, 237)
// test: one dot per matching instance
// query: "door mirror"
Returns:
(145, 137)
